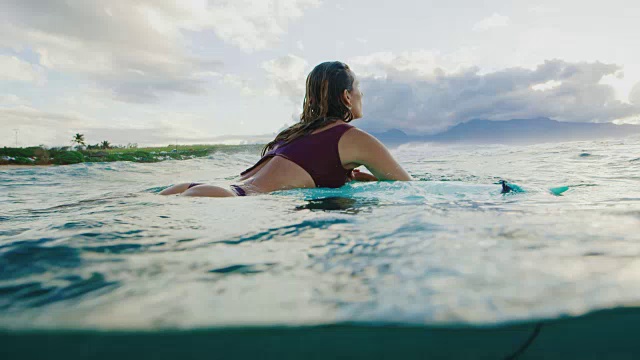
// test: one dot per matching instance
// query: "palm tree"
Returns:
(105, 145)
(78, 139)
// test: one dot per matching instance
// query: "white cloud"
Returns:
(14, 69)
(137, 50)
(634, 96)
(551, 84)
(56, 128)
(406, 99)
(543, 10)
(26, 115)
(494, 21)
(38, 127)
(288, 76)
(125, 53)
(161, 133)
(239, 83)
(421, 63)
(11, 100)
(253, 25)
(631, 120)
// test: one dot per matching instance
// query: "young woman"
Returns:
(322, 150)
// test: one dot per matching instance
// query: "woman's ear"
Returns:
(346, 98)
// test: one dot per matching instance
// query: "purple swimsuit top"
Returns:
(317, 154)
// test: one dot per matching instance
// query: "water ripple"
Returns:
(30, 259)
(243, 269)
(37, 294)
(95, 247)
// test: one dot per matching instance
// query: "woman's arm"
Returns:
(362, 148)
(357, 175)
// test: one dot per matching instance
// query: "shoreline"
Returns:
(11, 166)
(40, 156)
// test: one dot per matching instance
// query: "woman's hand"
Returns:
(356, 175)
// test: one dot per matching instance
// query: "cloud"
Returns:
(634, 96)
(288, 75)
(28, 116)
(38, 127)
(423, 63)
(543, 10)
(235, 81)
(494, 21)
(56, 128)
(551, 84)
(160, 135)
(11, 100)
(139, 50)
(14, 69)
(254, 25)
(428, 99)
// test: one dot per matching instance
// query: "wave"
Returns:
(609, 334)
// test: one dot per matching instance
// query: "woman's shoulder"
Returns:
(356, 134)
(359, 147)
(356, 142)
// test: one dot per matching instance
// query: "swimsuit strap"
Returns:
(317, 154)
(238, 190)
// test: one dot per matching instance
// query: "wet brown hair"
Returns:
(322, 103)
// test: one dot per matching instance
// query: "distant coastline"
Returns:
(44, 156)
(515, 132)
(13, 166)
(511, 132)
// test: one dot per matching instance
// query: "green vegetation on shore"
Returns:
(41, 155)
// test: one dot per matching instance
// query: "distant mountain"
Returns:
(517, 131)
(393, 136)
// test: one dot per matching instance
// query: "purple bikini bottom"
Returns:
(235, 188)
(238, 190)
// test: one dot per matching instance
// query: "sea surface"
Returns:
(94, 247)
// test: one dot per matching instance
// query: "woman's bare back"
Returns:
(279, 173)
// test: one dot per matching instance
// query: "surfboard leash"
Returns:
(526, 344)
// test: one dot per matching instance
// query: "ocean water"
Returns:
(92, 247)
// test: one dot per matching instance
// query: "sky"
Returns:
(156, 72)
